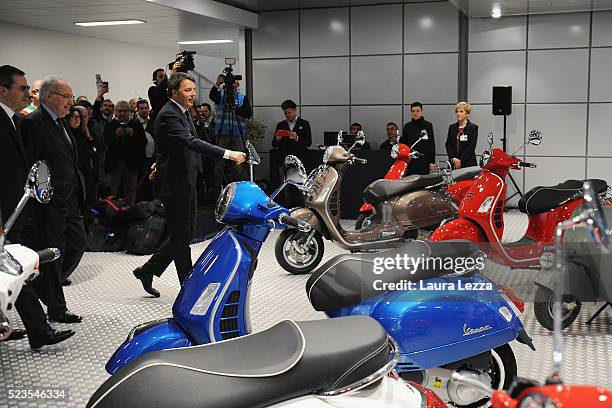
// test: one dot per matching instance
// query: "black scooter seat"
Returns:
(288, 360)
(544, 198)
(383, 189)
(347, 280)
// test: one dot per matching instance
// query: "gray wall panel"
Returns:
(488, 69)
(602, 29)
(431, 78)
(431, 27)
(325, 81)
(552, 171)
(600, 140)
(557, 76)
(601, 75)
(563, 129)
(277, 36)
(275, 81)
(326, 118)
(600, 168)
(559, 30)
(376, 29)
(508, 33)
(375, 80)
(324, 32)
(374, 121)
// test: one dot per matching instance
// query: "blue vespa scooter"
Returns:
(213, 302)
(443, 321)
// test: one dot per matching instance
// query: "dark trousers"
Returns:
(28, 307)
(226, 171)
(181, 215)
(60, 225)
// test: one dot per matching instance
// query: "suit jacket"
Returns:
(178, 152)
(130, 149)
(288, 146)
(44, 140)
(410, 134)
(463, 150)
(13, 166)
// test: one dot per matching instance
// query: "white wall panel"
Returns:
(274, 81)
(277, 35)
(489, 69)
(602, 29)
(557, 76)
(559, 30)
(376, 29)
(488, 34)
(563, 129)
(326, 118)
(430, 78)
(325, 81)
(552, 171)
(431, 27)
(600, 134)
(324, 32)
(375, 79)
(601, 75)
(601, 169)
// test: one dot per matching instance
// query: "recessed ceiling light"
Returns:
(496, 12)
(109, 23)
(205, 42)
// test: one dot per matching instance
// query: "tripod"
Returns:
(227, 139)
(504, 146)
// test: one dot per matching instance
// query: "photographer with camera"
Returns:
(232, 109)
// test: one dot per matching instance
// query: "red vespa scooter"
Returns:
(480, 215)
(554, 393)
(458, 181)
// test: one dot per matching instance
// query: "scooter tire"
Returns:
(363, 216)
(279, 252)
(542, 306)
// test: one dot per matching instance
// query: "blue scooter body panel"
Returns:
(165, 335)
(432, 327)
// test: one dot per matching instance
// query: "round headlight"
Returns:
(395, 151)
(537, 400)
(484, 159)
(327, 154)
(224, 200)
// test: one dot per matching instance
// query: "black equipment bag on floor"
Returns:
(143, 238)
(101, 238)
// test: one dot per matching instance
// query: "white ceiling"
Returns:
(164, 25)
(263, 5)
(482, 8)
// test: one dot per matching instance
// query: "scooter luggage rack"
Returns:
(372, 378)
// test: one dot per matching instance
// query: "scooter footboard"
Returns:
(147, 337)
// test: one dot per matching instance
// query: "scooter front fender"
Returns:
(306, 214)
(575, 281)
(147, 337)
(459, 228)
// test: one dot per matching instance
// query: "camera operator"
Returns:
(158, 93)
(230, 120)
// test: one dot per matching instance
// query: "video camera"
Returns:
(228, 73)
(186, 60)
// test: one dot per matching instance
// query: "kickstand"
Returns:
(597, 313)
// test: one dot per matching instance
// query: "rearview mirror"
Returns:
(340, 139)
(38, 184)
(490, 140)
(295, 173)
(535, 137)
(252, 155)
(424, 135)
(360, 138)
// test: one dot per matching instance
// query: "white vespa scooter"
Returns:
(19, 264)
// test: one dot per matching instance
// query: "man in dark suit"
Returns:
(60, 223)
(411, 133)
(176, 172)
(14, 169)
(298, 138)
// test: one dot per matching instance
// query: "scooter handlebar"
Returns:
(48, 255)
(526, 164)
(295, 223)
(359, 160)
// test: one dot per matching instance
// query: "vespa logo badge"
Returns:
(467, 331)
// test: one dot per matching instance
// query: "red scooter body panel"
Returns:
(459, 189)
(542, 226)
(564, 396)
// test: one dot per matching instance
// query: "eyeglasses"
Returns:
(76, 116)
(67, 96)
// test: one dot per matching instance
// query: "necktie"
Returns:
(15, 123)
(63, 130)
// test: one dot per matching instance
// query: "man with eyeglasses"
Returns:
(14, 167)
(34, 99)
(60, 224)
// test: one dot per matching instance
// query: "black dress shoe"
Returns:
(66, 317)
(147, 282)
(17, 334)
(66, 282)
(51, 337)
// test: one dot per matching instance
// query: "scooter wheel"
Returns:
(543, 307)
(364, 218)
(293, 260)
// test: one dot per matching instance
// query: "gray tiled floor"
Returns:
(112, 302)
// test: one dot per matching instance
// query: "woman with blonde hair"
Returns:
(462, 137)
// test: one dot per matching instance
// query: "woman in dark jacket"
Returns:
(461, 139)
(77, 120)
